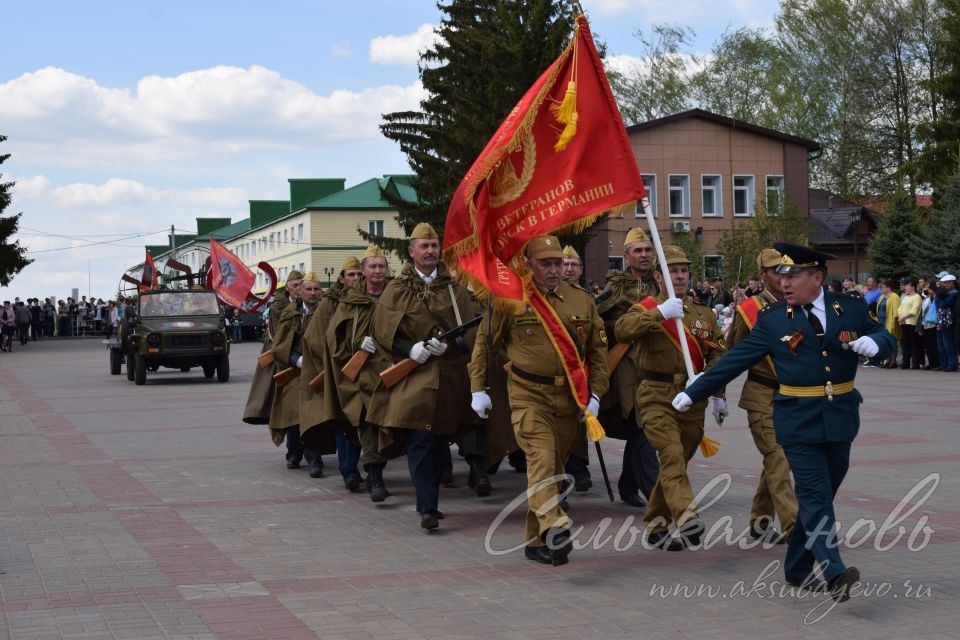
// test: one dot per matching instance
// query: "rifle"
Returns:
(265, 359)
(615, 355)
(317, 382)
(285, 376)
(352, 369)
(402, 369)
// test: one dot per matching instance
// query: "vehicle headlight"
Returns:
(153, 340)
(217, 339)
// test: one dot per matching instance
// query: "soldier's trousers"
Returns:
(547, 439)
(774, 495)
(676, 437)
(425, 457)
(640, 465)
(369, 435)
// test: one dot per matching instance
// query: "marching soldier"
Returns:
(619, 411)
(815, 339)
(428, 405)
(287, 354)
(675, 436)
(260, 398)
(326, 438)
(545, 412)
(774, 495)
(578, 463)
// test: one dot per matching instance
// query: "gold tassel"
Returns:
(567, 108)
(709, 446)
(568, 132)
(594, 429)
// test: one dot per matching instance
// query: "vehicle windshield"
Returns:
(192, 303)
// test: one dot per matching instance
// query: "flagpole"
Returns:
(668, 283)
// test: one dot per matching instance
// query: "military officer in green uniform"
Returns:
(675, 436)
(774, 495)
(814, 338)
(545, 414)
(619, 411)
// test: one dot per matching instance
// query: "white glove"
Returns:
(719, 410)
(481, 403)
(368, 345)
(419, 353)
(865, 346)
(594, 405)
(299, 363)
(682, 402)
(435, 347)
(671, 308)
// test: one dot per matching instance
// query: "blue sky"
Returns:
(126, 117)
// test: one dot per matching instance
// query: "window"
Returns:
(375, 227)
(712, 267)
(301, 267)
(615, 263)
(291, 234)
(679, 195)
(650, 184)
(775, 195)
(743, 195)
(286, 238)
(271, 243)
(712, 200)
(300, 232)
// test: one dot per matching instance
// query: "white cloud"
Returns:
(403, 50)
(121, 191)
(611, 7)
(63, 118)
(629, 65)
(341, 50)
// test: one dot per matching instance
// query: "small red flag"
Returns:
(230, 278)
(150, 277)
(559, 160)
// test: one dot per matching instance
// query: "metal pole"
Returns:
(856, 266)
(667, 283)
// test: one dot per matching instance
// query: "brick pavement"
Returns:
(153, 512)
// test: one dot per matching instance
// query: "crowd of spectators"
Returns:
(29, 320)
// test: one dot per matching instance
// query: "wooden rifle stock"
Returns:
(285, 376)
(317, 382)
(394, 374)
(265, 359)
(615, 355)
(352, 369)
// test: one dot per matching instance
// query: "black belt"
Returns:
(764, 380)
(554, 381)
(659, 377)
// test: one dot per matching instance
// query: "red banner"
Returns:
(229, 277)
(150, 277)
(560, 159)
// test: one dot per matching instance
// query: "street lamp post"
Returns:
(855, 217)
(329, 271)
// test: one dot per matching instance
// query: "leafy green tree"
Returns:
(937, 244)
(686, 241)
(12, 256)
(660, 85)
(488, 55)
(741, 244)
(891, 244)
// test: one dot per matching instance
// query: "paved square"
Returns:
(153, 512)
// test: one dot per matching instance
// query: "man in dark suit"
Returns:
(814, 339)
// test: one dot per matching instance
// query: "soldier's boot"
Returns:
(378, 490)
(478, 480)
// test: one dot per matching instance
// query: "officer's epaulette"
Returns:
(779, 304)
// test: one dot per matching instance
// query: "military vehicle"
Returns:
(174, 328)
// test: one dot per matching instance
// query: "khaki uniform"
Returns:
(260, 397)
(774, 493)
(317, 435)
(545, 416)
(287, 333)
(676, 436)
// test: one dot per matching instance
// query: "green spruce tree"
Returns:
(891, 244)
(488, 56)
(12, 255)
(936, 246)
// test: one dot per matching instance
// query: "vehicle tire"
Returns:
(140, 370)
(131, 363)
(184, 369)
(209, 370)
(115, 362)
(223, 368)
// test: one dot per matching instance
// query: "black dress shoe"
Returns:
(430, 521)
(538, 554)
(315, 472)
(691, 533)
(293, 464)
(810, 583)
(635, 501)
(663, 540)
(769, 535)
(582, 484)
(841, 585)
(352, 483)
(558, 545)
